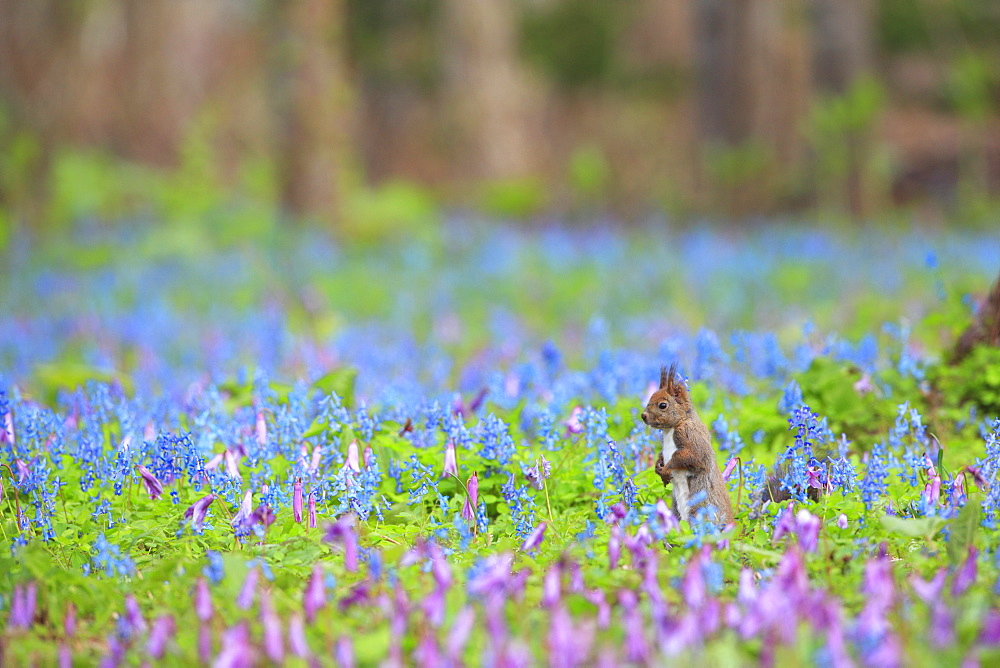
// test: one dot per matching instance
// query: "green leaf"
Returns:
(914, 527)
(317, 427)
(963, 530)
(341, 381)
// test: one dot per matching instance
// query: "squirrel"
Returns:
(687, 458)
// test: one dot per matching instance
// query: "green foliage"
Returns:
(573, 41)
(828, 389)
(397, 212)
(513, 198)
(737, 165)
(975, 380)
(971, 81)
(588, 172)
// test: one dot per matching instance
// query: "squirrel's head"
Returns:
(669, 404)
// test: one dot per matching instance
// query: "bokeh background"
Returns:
(372, 116)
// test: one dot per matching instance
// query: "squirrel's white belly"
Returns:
(679, 480)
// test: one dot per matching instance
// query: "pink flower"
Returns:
(261, 428)
(312, 510)
(242, 517)
(352, 457)
(730, 467)
(573, 424)
(7, 432)
(450, 461)
(297, 500)
(472, 500)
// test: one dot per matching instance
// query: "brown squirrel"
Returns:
(687, 458)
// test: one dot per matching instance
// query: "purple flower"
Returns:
(807, 529)
(342, 533)
(573, 424)
(245, 598)
(730, 467)
(552, 585)
(977, 476)
(636, 647)
(69, 621)
(196, 511)
(427, 652)
(23, 470)
(614, 547)
(928, 592)
(343, 652)
(202, 601)
(538, 474)
(297, 637)
(842, 521)
(153, 486)
(163, 632)
(450, 460)
(803, 524)
(297, 500)
(434, 606)
(472, 499)
(204, 643)
(312, 510)
(22, 608)
(477, 401)
(535, 538)
(668, 521)
(459, 634)
(942, 631)
(133, 616)
(568, 644)
(597, 598)
(864, 384)
(965, 576)
(989, 635)
(236, 649)
(241, 520)
(314, 597)
(274, 644)
(357, 595)
(263, 515)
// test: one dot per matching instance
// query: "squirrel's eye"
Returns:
(663, 405)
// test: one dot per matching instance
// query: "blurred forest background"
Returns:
(371, 116)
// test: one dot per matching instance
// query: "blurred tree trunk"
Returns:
(487, 89)
(843, 42)
(843, 51)
(753, 74)
(984, 329)
(313, 101)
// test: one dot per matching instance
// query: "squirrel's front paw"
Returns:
(661, 470)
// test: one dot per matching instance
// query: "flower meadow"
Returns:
(430, 454)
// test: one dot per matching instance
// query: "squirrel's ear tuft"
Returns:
(665, 377)
(676, 386)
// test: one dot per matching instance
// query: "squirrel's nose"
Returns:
(644, 416)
